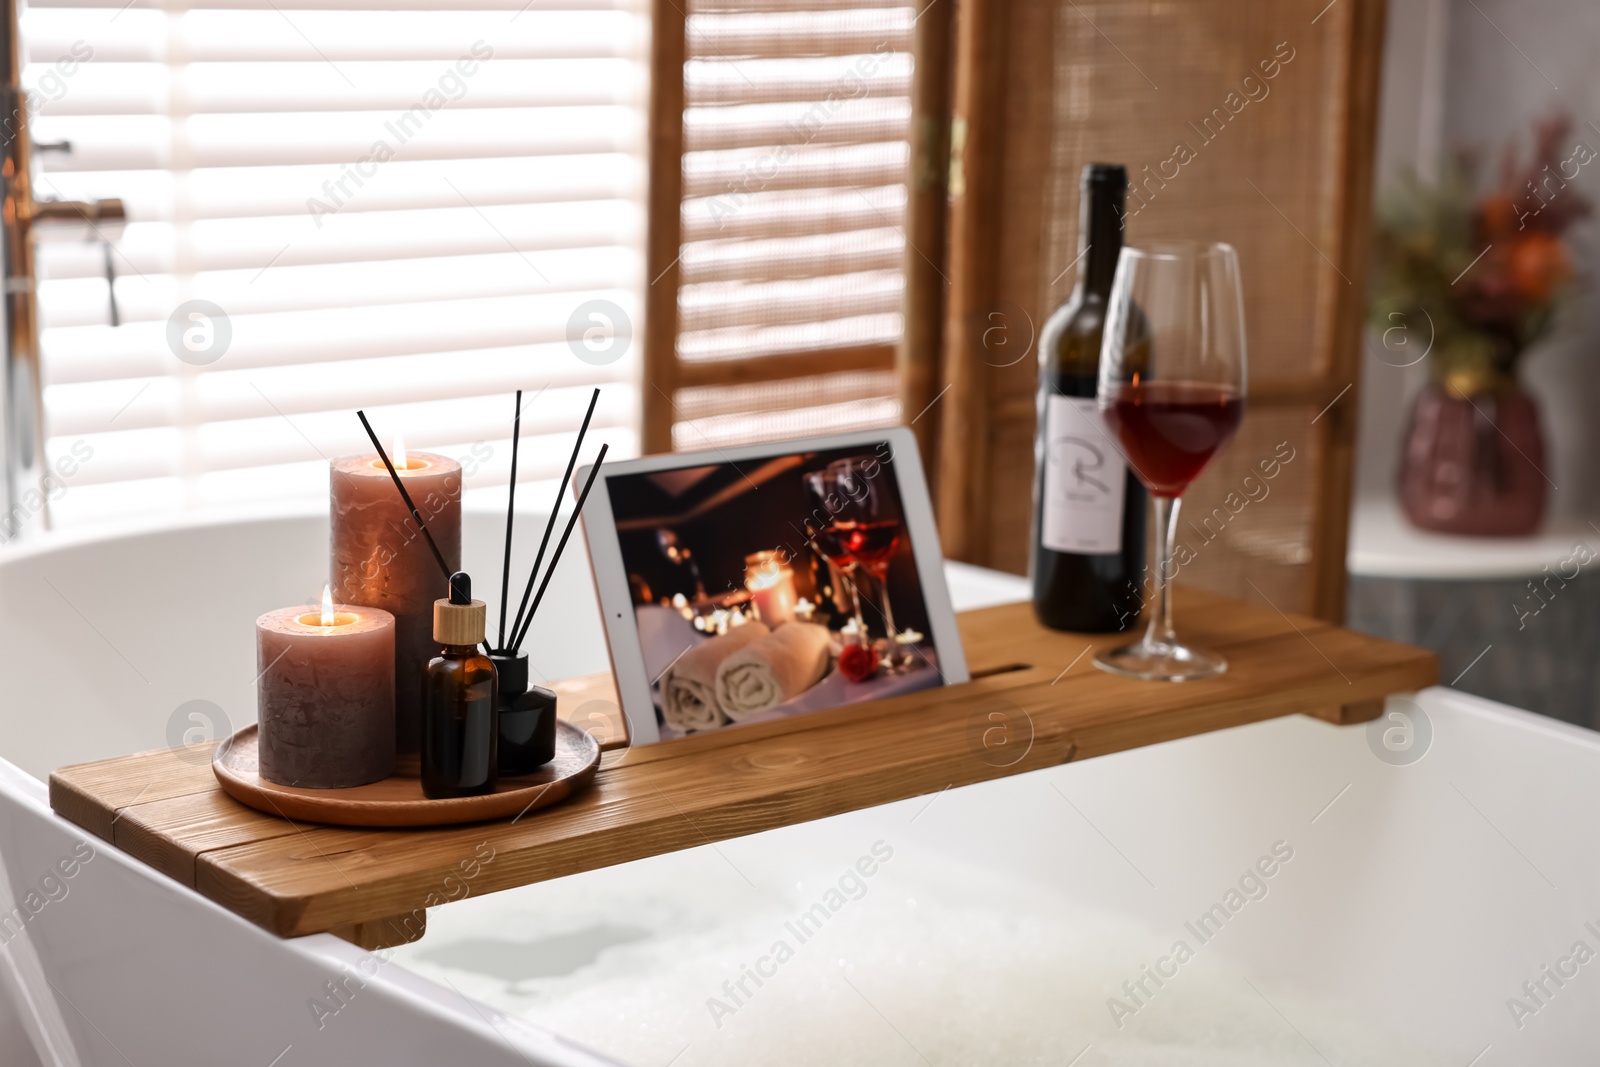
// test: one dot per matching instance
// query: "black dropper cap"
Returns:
(461, 588)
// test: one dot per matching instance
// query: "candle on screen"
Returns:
(380, 558)
(325, 695)
(771, 585)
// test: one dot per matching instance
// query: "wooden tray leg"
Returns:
(1346, 714)
(375, 934)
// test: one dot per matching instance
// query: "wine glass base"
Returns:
(1160, 661)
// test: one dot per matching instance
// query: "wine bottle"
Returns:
(1089, 508)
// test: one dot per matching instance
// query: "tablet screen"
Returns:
(773, 587)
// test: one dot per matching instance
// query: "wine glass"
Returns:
(1172, 387)
(861, 529)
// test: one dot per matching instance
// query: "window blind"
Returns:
(791, 277)
(409, 210)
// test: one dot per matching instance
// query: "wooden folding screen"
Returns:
(797, 279)
(782, 189)
(1248, 121)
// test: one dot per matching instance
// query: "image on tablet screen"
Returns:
(774, 587)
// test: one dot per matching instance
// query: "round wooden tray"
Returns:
(398, 801)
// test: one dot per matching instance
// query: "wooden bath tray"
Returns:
(398, 801)
(1036, 701)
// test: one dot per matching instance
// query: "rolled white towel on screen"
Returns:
(689, 686)
(663, 633)
(776, 668)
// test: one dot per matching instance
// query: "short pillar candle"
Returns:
(380, 558)
(325, 696)
(771, 584)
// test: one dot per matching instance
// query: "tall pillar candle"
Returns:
(325, 695)
(381, 559)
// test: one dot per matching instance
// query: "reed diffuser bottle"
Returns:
(460, 714)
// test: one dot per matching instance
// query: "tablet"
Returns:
(764, 581)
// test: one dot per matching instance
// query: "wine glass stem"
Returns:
(855, 601)
(1159, 630)
(881, 576)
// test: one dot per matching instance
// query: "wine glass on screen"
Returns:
(861, 529)
(1172, 387)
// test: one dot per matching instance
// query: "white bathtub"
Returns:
(1028, 920)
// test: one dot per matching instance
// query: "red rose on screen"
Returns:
(858, 662)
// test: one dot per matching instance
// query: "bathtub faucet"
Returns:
(22, 218)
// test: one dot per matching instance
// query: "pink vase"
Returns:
(1475, 466)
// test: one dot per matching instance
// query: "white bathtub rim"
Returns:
(42, 543)
(419, 994)
(1479, 707)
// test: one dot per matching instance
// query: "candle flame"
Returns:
(400, 463)
(764, 575)
(327, 606)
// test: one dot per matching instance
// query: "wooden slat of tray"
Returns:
(300, 878)
(169, 834)
(91, 794)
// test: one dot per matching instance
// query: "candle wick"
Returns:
(405, 496)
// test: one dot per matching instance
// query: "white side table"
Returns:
(1513, 619)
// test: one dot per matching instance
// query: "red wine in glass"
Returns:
(1169, 430)
(870, 544)
(831, 543)
(863, 527)
(1172, 389)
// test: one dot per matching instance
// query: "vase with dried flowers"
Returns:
(1468, 281)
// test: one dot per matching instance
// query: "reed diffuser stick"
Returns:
(398, 484)
(511, 510)
(561, 545)
(518, 623)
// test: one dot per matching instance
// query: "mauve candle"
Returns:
(325, 698)
(381, 559)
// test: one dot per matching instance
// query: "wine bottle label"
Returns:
(1084, 479)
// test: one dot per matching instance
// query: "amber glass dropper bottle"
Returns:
(460, 717)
